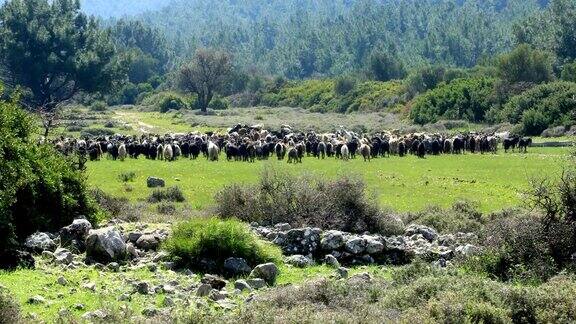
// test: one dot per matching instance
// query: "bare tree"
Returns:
(205, 75)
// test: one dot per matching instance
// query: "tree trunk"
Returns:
(47, 126)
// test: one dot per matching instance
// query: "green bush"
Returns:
(40, 189)
(96, 131)
(462, 217)
(9, 309)
(343, 85)
(127, 176)
(467, 99)
(98, 106)
(171, 102)
(218, 103)
(307, 201)
(172, 194)
(541, 107)
(198, 240)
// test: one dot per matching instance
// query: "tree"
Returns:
(384, 67)
(525, 64)
(205, 75)
(53, 51)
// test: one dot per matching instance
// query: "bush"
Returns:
(96, 131)
(198, 242)
(127, 176)
(9, 309)
(114, 206)
(218, 103)
(166, 209)
(343, 85)
(306, 201)
(171, 102)
(541, 107)
(40, 189)
(467, 99)
(98, 106)
(462, 217)
(172, 194)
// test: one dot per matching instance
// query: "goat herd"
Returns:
(250, 143)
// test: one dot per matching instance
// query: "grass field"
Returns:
(405, 184)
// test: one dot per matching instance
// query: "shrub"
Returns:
(74, 128)
(343, 85)
(115, 206)
(467, 99)
(198, 242)
(544, 106)
(40, 189)
(172, 194)
(96, 131)
(462, 217)
(306, 201)
(219, 103)
(171, 102)
(127, 176)
(166, 209)
(9, 309)
(98, 106)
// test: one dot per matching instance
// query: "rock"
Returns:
(36, 300)
(256, 283)
(299, 261)
(169, 265)
(12, 259)
(143, 288)
(214, 281)
(267, 271)
(39, 242)
(283, 227)
(168, 302)
(161, 256)
(153, 182)
(429, 233)
(149, 312)
(168, 289)
(360, 278)
(131, 251)
(62, 281)
(125, 297)
(74, 235)
(242, 285)
(236, 267)
(331, 260)
(105, 245)
(114, 266)
(152, 267)
(203, 290)
(79, 306)
(332, 240)
(303, 241)
(148, 242)
(216, 295)
(373, 246)
(467, 250)
(342, 272)
(134, 236)
(96, 315)
(47, 255)
(89, 286)
(63, 256)
(355, 245)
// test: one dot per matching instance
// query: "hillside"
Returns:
(301, 39)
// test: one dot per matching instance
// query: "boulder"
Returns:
(105, 245)
(268, 272)
(63, 256)
(242, 285)
(332, 240)
(467, 250)
(299, 261)
(153, 182)
(283, 227)
(236, 267)
(256, 283)
(303, 241)
(429, 233)
(331, 260)
(355, 245)
(74, 235)
(214, 281)
(203, 290)
(39, 242)
(373, 246)
(148, 242)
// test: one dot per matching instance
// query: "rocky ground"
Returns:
(120, 270)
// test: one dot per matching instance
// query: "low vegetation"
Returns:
(205, 243)
(172, 194)
(306, 200)
(9, 309)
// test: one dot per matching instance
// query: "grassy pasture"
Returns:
(405, 184)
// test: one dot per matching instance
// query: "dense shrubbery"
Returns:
(431, 296)
(205, 243)
(172, 194)
(468, 99)
(39, 189)
(542, 107)
(114, 206)
(306, 201)
(462, 217)
(96, 131)
(336, 96)
(165, 101)
(9, 310)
